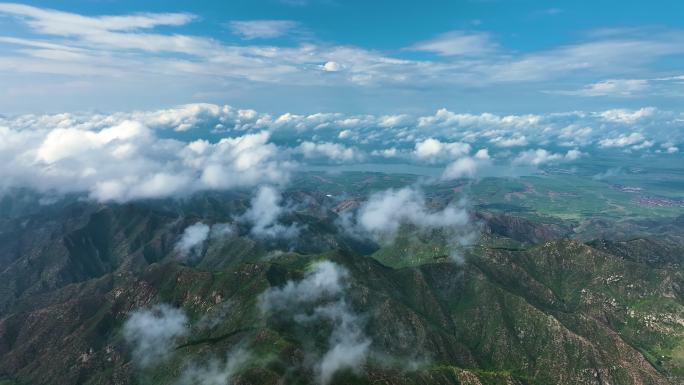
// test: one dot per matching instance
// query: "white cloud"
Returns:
(331, 66)
(264, 212)
(348, 345)
(669, 147)
(612, 87)
(122, 160)
(573, 155)
(623, 140)
(384, 212)
(626, 116)
(153, 333)
(394, 120)
(463, 167)
(509, 142)
(78, 50)
(458, 43)
(482, 154)
(541, 156)
(192, 238)
(446, 118)
(126, 156)
(333, 151)
(63, 23)
(434, 150)
(386, 153)
(325, 286)
(643, 145)
(325, 280)
(262, 29)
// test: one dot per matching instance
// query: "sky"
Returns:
(129, 100)
(353, 57)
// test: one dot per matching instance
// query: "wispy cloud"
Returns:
(613, 87)
(262, 29)
(130, 49)
(153, 332)
(626, 87)
(458, 43)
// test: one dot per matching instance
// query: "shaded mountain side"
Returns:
(44, 251)
(80, 243)
(562, 312)
(522, 230)
(72, 240)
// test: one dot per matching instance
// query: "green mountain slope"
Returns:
(527, 305)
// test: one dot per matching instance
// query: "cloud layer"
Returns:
(178, 151)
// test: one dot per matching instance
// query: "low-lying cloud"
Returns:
(384, 214)
(215, 371)
(325, 286)
(153, 332)
(264, 212)
(194, 237)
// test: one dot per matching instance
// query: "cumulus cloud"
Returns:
(264, 212)
(384, 213)
(621, 115)
(122, 160)
(573, 154)
(139, 155)
(509, 141)
(331, 66)
(344, 134)
(669, 148)
(623, 140)
(333, 151)
(541, 156)
(153, 332)
(324, 285)
(434, 150)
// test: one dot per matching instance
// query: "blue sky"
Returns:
(305, 56)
